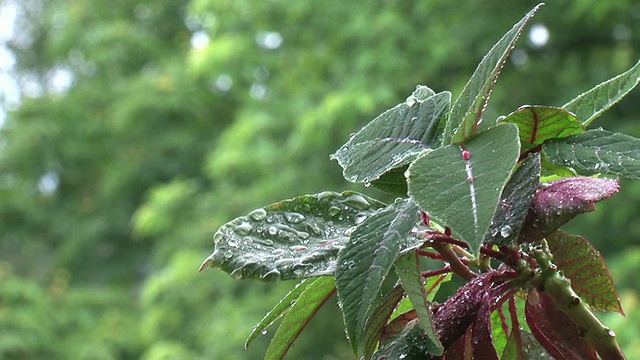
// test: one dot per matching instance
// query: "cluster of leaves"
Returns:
(486, 198)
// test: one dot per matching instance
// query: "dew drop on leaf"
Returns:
(258, 214)
(506, 231)
(243, 228)
(294, 218)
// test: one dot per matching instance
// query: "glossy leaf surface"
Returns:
(291, 239)
(556, 332)
(597, 151)
(314, 295)
(464, 193)
(379, 318)
(279, 310)
(366, 260)
(591, 104)
(559, 201)
(514, 203)
(585, 267)
(540, 123)
(408, 270)
(469, 106)
(396, 137)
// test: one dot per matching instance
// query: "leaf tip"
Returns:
(205, 264)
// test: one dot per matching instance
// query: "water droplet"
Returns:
(494, 232)
(284, 262)
(357, 201)
(294, 218)
(334, 211)
(304, 235)
(266, 242)
(298, 247)
(272, 230)
(263, 332)
(217, 237)
(278, 252)
(258, 214)
(271, 274)
(411, 100)
(506, 231)
(243, 228)
(232, 244)
(360, 217)
(349, 231)
(228, 255)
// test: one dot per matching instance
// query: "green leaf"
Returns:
(540, 123)
(305, 307)
(597, 151)
(527, 347)
(396, 137)
(291, 239)
(366, 260)
(393, 181)
(431, 287)
(589, 105)
(463, 194)
(279, 310)
(467, 110)
(583, 264)
(408, 270)
(514, 203)
(407, 344)
(379, 318)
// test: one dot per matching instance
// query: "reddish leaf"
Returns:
(584, 265)
(540, 123)
(454, 316)
(559, 201)
(481, 334)
(555, 331)
(397, 325)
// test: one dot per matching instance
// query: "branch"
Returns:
(454, 261)
(558, 288)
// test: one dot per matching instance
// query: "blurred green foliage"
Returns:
(181, 115)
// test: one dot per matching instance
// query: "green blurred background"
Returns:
(131, 130)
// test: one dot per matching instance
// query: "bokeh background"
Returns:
(131, 130)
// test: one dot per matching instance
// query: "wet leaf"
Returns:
(279, 310)
(597, 151)
(314, 295)
(431, 287)
(467, 110)
(396, 137)
(454, 316)
(584, 265)
(540, 123)
(291, 239)
(379, 318)
(559, 201)
(589, 105)
(555, 331)
(407, 344)
(408, 270)
(481, 334)
(366, 260)
(393, 181)
(514, 203)
(523, 346)
(464, 193)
